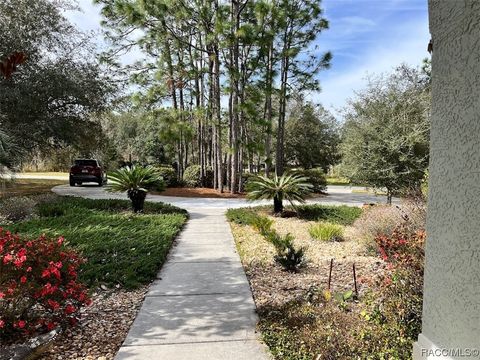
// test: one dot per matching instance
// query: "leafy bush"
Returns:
(326, 231)
(242, 216)
(39, 289)
(384, 219)
(344, 215)
(168, 174)
(397, 304)
(263, 225)
(317, 178)
(192, 178)
(246, 177)
(288, 186)
(16, 208)
(136, 181)
(290, 258)
(122, 248)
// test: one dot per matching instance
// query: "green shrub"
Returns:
(263, 225)
(16, 208)
(326, 231)
(317, 178)
(290, 258)
(192, 178)
(242, 216)
(344, 215)
(168, 174)
(246, 177)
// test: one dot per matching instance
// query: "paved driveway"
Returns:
(337, 195)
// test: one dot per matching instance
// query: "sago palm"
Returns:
(136, 181)
(290, 187)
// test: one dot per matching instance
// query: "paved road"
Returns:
(337, 195)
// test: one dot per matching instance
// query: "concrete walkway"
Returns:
(200, 306)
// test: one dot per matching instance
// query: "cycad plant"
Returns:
(289, 187)
(136, 181)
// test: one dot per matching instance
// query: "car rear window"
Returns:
(86, 162)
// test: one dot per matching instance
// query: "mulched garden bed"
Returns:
(273, 286)
(102, 329)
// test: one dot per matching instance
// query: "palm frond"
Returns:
(136, 178)
(290, 187)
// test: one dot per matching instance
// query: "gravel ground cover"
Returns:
(297, 321)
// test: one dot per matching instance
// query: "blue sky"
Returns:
(365, 36)
(369, 37)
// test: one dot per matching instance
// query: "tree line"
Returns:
(225, 70)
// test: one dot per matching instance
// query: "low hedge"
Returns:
(169, 175)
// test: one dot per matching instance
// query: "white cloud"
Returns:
(88, 18)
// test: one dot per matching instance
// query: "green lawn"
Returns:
(331, 180)
(120, 247)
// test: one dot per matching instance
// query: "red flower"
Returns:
(2, 324)
(2, 295)
(70, 309)
(29, 269)
(23, 279)
(20, 324)
(19, 261)
(60, 240)
(53, 304)
(7, 258)
(51, 326)
(45, 273)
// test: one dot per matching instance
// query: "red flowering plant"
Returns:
(396, 309)
(402, 249)
(39, 289)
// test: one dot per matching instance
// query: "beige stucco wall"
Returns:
(451, 315)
